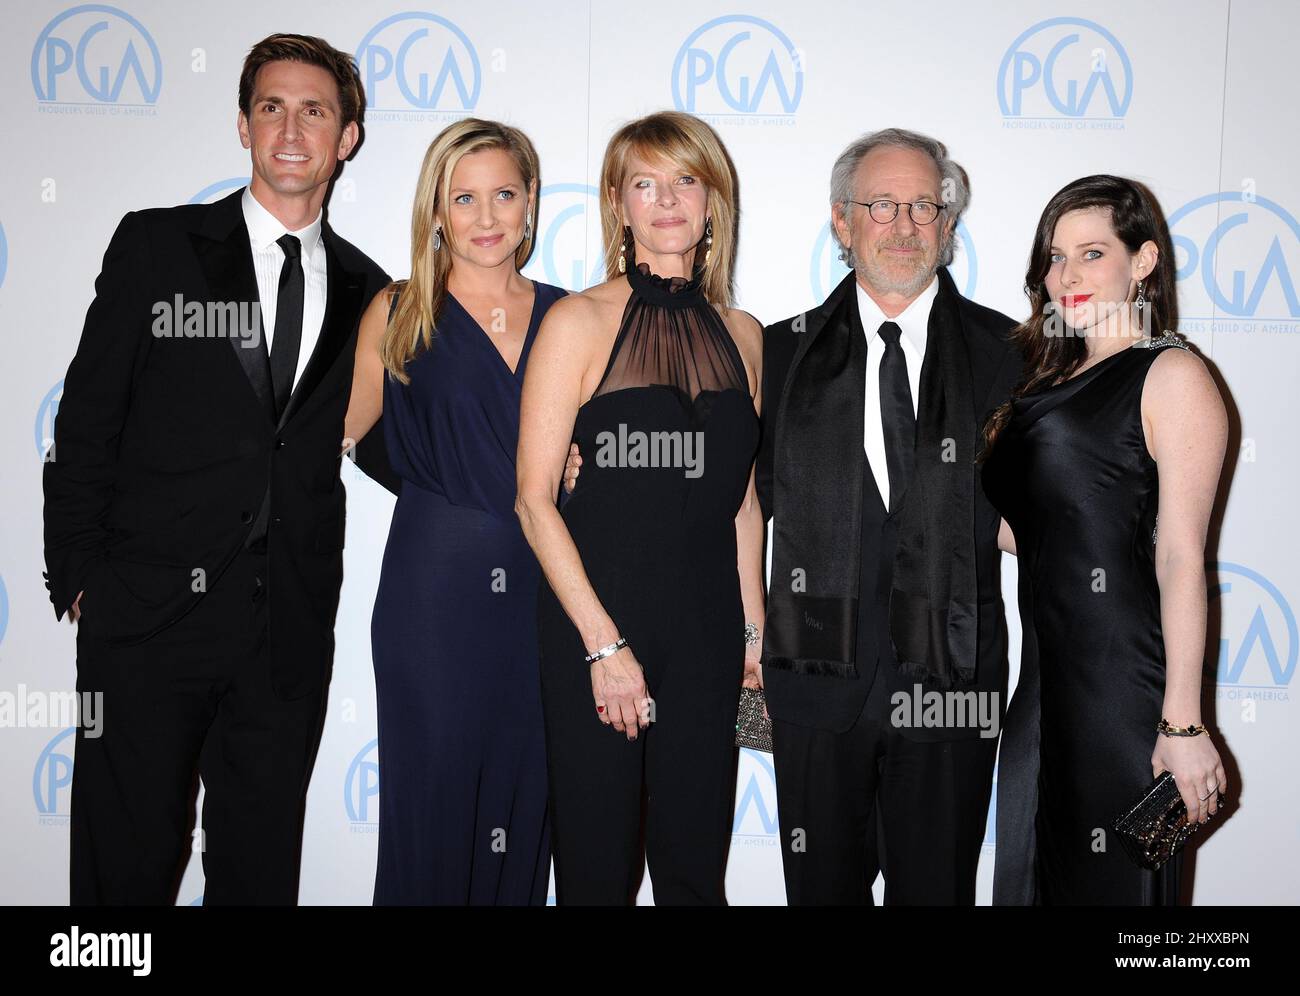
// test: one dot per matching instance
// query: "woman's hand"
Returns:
(572, 466)
(618, 686)
(1197, 771)
(753, 669)
(754, 672)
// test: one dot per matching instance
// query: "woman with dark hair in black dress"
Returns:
(1117, 426)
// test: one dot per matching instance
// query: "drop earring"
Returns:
(622, 251)
(437, 238)
(1141, 301)
(528, 228)
(708, 240)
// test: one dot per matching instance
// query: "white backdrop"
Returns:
(124, 107)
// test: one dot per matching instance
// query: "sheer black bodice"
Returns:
(671, 337)
(671, 426)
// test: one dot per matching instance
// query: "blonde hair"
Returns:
(421, 297)
(685, 141)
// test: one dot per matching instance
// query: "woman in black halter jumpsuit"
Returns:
(658, 544)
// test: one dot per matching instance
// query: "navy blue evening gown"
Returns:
(462, 764)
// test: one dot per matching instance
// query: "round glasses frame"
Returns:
(884, 211)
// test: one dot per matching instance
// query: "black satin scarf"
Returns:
(812, 610)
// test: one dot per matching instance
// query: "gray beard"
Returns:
(885, 283)
(880, 280)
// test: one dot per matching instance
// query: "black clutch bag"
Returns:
(1156, 827)
(753, 729)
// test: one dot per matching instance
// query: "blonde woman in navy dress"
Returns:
(1104, 465)
(462, 811)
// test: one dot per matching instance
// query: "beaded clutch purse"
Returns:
(1154, 829)
(753, 729)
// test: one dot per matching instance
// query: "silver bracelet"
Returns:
(751, 634)
(604, 652)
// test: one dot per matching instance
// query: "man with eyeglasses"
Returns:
(884, 651)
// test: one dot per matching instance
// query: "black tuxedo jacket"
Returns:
(168, 457)
(834, 703)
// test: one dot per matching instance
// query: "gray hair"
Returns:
(953, 181)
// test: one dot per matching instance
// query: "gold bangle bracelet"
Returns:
(1169, 730)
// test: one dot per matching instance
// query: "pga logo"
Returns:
(755, 814)
(1234, 253)
(52, 777)
(96, 54)
(1258, 641)
(1065, 67)
(417, 61)
(569, 222)
(361, 786)
(46, 412)
(738, 65)
(215, 191)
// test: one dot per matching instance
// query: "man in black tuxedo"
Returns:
(885, 564)
(193, 509)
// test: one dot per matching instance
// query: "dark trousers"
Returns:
(197, 696)
(685, 763)
(869, 799)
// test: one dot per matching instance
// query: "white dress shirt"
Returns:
(268, 260)
(915, 323)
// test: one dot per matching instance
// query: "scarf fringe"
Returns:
(930, 681)
(813, 666)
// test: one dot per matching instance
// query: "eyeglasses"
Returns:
(884, 211)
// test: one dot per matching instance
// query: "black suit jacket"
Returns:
(167, 454)
(832, 703)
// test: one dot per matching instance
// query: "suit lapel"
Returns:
(343, 301)
(226, 259)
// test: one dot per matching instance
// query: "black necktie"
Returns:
(896, 414)
(288, 322)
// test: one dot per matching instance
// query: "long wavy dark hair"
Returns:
(1136, 218)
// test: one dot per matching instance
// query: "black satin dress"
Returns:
(1071, 474)
(658, 544)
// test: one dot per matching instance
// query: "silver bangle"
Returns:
(751, 634)
(604, 652)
